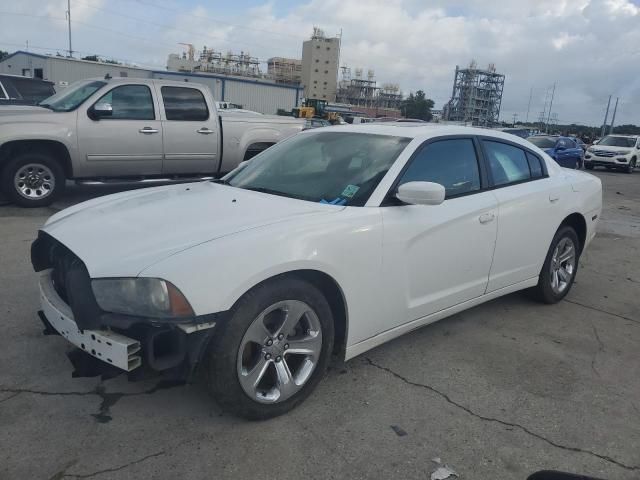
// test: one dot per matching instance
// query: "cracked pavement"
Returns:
(497, 392)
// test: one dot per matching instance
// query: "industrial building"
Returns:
(285, 70)
(257, 93)
(476, 96)
(366, 96)
(320, 58)
(212, 61)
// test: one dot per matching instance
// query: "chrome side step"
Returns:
(142, 181)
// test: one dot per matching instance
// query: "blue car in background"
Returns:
(563, 150)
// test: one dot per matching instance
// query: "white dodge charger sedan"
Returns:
(333, 241)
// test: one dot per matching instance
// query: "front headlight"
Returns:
(590, 149)
(623, 152)
(143, 297)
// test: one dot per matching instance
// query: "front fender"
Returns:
(346, 246)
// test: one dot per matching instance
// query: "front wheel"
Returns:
(273, 349)
(32, 179)
(560, 267)
(588, 166)
(632, 166)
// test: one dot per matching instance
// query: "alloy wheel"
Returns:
(279, 351)
(563, 264)
(34, 181)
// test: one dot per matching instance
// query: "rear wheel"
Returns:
(272, 351)
(32, 179)
(560, 267)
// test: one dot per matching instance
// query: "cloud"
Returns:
(588, 47)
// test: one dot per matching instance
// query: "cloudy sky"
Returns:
(589, 48)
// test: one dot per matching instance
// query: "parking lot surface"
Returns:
(497, 392)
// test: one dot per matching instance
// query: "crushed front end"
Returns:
(140, 345)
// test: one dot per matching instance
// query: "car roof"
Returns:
(22, 77)
(142, 80)
(621, 135)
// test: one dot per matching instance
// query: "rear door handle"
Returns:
(487, 217)
(148, 130)
(205, 131)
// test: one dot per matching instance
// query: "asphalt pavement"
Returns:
(496, 392)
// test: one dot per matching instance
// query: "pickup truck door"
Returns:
(191, 131)
(129, 141)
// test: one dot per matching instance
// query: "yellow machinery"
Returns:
(314, 108)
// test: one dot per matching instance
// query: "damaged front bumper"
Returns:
(129, 343)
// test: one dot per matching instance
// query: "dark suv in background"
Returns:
(16, 90)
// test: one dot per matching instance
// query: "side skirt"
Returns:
(384, 337)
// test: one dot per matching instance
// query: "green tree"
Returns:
(3, 55)
(417, 106)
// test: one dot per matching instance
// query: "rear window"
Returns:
(184, 104)
(543, 142)
(33, 90)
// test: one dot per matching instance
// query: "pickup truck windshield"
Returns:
(612, 141)
(340, 168)
(71, 97)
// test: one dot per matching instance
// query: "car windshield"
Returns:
(340, 168)
(613, 141)
(71, 97)
(543, 142)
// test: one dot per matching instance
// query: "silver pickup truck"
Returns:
(126, 129)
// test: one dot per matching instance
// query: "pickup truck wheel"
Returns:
(560, 267)
(272, 350)
(32, 179)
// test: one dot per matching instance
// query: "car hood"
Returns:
(122, 234)
(606, 148)
(23, 110)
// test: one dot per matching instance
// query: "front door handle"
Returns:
(553, 198)
(487, 217)
(205, 131)
(148, 130)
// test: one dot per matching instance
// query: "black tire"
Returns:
(543, 291)
(631, 167)
(223, 351)
(588, 166)
(36, 158)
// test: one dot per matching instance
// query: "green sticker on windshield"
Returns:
(350, 191)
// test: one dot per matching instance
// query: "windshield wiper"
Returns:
(221, 181)
(273, 192)
(45, 105)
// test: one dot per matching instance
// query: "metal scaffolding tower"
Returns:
(476, 96)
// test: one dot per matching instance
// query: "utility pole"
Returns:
(515, 115)
(551, 102)
(529, 106)
(69, 23)
(606, 116)
(613, 119)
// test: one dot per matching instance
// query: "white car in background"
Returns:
(336, 240)
(614, 151)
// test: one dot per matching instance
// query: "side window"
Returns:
(507, 164)
(451, 163)
(2, 95)
(184, 104)
(130, 102)
(535, 166)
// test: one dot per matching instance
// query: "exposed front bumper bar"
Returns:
(110, 347)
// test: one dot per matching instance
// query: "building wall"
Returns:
(63, 71)
(320, 58)
(258, 96)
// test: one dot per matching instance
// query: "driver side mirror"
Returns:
(100, 110)
(421, 193)
(561, 146)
